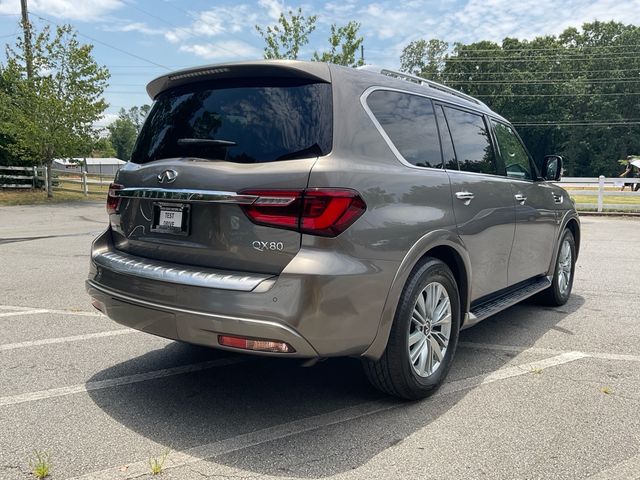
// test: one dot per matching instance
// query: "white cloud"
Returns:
(274, 8)
(106, 120)
(222, 50)
(68, 9)
(216, 21)
(139, 27)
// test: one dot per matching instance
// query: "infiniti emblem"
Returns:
(168, 176)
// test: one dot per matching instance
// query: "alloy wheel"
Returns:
(430, 329)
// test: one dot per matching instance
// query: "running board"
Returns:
(491, 307)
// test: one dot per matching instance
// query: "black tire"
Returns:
(555, 296)
(393, 373)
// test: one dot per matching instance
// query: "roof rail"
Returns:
(420, 81)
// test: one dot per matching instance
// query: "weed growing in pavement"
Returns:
(156, 463)
(40, 464)
(606, 390)
(537, 370)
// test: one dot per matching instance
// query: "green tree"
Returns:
(122, 134)
(51, 114)
(125, 129)
(425, 58)
(283, 40)
(345, 44)
(137, 115)
(103, 148)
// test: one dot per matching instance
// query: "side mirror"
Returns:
(552, 168)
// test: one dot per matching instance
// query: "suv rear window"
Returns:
(266, 121)
(409, 122)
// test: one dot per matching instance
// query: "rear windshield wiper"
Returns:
(206, 142)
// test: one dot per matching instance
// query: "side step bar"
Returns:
(493, 306)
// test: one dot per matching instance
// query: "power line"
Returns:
(548, 49)
(545, 82)
(133, 55)
(551, 59)
(189, 33)
(559, 94)
(544, 72)
(596, 123)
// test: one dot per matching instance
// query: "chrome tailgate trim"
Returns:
(173, 273)
(183, 195)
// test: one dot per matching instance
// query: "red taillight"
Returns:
(255, 344)
(317, 211)
(112, 201)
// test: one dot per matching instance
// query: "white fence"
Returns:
(18, 177)
(603, 187)
(77, 182)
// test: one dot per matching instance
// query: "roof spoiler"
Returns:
(314, 71)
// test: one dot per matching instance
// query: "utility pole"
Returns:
(26, 26)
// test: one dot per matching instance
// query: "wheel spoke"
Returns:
(442, 307)
(435, 347)
(418, 317)
(424, 356)
(415, 352)
(443, 321)
(415, 337)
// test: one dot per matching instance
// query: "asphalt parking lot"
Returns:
(534, 392)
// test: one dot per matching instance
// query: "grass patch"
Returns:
(36, 197)
(157, 463)
(613, 199)
(40, 464)
(606, 391)
(537, 370)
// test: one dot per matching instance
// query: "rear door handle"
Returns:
(520, 198)
(466, 197)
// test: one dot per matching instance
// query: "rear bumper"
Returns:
(322, 304)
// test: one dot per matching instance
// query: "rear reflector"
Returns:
(255, 344)
(113, 202)
(317, 211)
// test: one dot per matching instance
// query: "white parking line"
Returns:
(116, 382)
(73, 338)
(16, 310)
(628, 469)
(240, 442)
(23, 312)
(548, 351)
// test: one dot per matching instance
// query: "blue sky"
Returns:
(140, 39)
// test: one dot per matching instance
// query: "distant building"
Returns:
(104, 166)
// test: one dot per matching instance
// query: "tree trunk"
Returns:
(49, 180)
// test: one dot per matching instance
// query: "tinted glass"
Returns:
(514, 156)
(448, 154)
(471, 141)
(410, 123)
(267, 122)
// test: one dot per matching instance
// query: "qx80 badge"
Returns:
(267, 246)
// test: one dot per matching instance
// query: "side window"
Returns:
(409, 122)
(514, 156)
(471, 141)
(448, 153)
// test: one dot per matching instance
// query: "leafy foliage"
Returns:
(345, 43)
(284, 40)
(51, 114)
(571, 94)
(425, 58)
(124, 130)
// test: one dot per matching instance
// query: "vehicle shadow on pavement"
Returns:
(186, 411)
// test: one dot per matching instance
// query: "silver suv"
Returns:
(307, 210)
